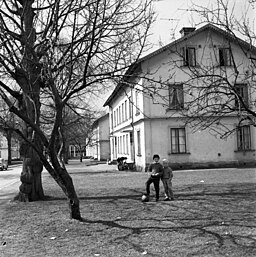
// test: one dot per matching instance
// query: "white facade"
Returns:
(141, 125)
(99, 148)
(4, 148)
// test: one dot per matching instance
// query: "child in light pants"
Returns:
(167, 181)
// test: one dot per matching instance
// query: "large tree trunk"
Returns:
(31, 188)
(65, 155)
(74, 205)
(64, 180)
(28, 74)
(59, 171)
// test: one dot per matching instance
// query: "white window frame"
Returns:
(178, 139)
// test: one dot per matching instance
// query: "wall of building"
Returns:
(154, 119)
(4, 148)
(99, 148)
(104, 151)
(126, 112)
(204, 147)
(168, 67)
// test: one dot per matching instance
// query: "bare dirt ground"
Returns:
(213, 215)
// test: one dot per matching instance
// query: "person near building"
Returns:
(156, 170)
(167, 181)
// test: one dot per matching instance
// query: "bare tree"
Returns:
(214, 93)
(53, 52)
(78, 130)
(7, 123)
(214, 86)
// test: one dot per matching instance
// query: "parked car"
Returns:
(3, 164)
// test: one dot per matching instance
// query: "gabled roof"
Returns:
(227, 35)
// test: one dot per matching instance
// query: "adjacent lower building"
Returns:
(15, 148)
(99, 148)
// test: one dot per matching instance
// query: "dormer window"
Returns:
(224, 57)
(189, 56)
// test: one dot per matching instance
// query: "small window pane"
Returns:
(176, 97)
(243, 138)
(242, 91)
(224, 57)
(178, 140)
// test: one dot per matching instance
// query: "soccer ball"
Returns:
(145, 198)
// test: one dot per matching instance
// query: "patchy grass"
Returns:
(204, 220)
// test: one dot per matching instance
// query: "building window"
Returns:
(178, 140)
(243, 138)
(121, 145)
(111, 121)
(125, 110)
(137, 102)
(130, 107)
(122, 119)
(131, 138)
(117, 116)
(114, 118)
(189, 56)
(119, 112)
(138, 143)
(241, 90)
(127, 144)
(224, 57)
(176, 97)
(113, 145)
(118, 145)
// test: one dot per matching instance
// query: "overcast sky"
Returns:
(172, 15)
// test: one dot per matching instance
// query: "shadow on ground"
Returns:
(204, 220)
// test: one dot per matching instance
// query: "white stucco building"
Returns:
(99, 148)
(142, 123)
(4, 148)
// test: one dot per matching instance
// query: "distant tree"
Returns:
(8, 121)
(78, 132)
(53, 52)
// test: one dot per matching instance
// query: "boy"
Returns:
(157, 170)
(167, 181)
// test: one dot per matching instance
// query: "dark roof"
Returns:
(227, 35)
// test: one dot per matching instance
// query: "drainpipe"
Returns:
(133, 130)
(111, 136)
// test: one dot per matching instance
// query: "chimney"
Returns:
(186, 30)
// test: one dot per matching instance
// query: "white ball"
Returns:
(144, 198)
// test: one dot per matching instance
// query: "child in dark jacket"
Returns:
(167, 181)
(156, 170)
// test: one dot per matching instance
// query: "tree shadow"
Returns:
(91, 172)
(195, 192)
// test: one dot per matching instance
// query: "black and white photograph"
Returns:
(127, 128)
